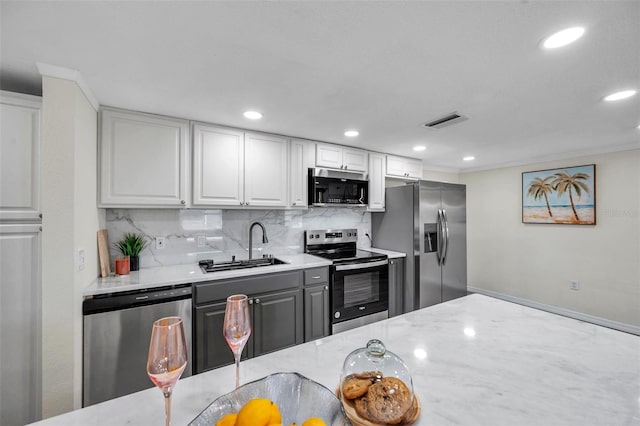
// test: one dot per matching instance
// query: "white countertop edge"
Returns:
(149, 278)
(390, 254)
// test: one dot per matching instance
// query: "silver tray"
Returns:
(297, 397)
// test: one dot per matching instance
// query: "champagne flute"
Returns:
(237, 327)
(167, 357)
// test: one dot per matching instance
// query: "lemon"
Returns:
(256, 412)
(227, 420)
(276, 417)
(314, 421)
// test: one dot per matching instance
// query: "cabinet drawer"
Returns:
(316, 276)
(257, 284)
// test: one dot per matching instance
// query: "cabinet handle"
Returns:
(294, 203)
(183, 202)
(316, 278)
(345, 167)
(251, 301)
(246, 204)
(257, 300)
(391, 262)
(40, 215)
(326, 287)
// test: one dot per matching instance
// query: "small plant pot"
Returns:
(134, 262)
(123, 265)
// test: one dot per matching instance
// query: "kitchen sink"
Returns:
(209, 265)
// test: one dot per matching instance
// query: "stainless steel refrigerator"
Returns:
(427, 221)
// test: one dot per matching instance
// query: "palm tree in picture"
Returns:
(539, 188)
(565, 182)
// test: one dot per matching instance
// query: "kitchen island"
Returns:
(474, 360)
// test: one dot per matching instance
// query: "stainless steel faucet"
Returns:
(264, 236)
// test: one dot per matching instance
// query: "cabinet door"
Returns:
(329, 156)
(302, 157)
(20, 157)
(20, 324)
(354, 159)
(266, 168)
(396, 287)
(316, 312)
(376, 182)
(277, 321)
(210, 347)
(404, 167)
(414, 168)
(143, 160)
(218, 166)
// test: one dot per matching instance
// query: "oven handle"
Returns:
(361, 265)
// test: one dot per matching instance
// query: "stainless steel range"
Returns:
(359, 279)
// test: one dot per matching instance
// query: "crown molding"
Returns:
(72, 75)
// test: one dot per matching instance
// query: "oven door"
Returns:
(359, 289)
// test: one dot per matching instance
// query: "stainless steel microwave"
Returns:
(327, 189)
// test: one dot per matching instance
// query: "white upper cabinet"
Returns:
(266, 169)
(19, 156)
(341, 157)
(218, 166)
(302, 157)
(377, 168)
(232, 168)
(404, 167)
(144, 160)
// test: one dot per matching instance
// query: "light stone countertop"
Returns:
(475, 361)
(389, 253)
(147, 278)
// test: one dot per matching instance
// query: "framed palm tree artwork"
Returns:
(563, 196)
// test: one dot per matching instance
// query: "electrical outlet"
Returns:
(574, 285)
(160, 243)
(80, 259)
(202, 240)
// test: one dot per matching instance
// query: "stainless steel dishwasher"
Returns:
(117, 330)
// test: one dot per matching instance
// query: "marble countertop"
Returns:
(147, 278)
(474, 360)
(389, 253)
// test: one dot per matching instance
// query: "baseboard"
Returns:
(627, 328)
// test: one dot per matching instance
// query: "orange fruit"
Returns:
(256, 412)
(227, 420)
(314, 421)
(276, 417)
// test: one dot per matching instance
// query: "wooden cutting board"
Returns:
(103, 253)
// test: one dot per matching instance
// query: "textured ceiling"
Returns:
(316, 69)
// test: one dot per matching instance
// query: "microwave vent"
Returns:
(445, 121)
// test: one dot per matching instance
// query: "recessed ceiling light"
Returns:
(253, 115)
(419, 148)
(469, 158)
(620, 95)
(351, 133)
(562, 38)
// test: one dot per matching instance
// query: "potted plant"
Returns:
(131, 245)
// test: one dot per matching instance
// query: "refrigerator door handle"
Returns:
(440, 237)
(445, 227)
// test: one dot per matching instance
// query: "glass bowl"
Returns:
(298, 399)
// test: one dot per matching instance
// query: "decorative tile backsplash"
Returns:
(226, 232)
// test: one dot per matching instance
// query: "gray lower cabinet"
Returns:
(316, 303)
(396, 287)
(276, 312)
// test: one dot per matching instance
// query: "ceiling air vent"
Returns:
(447, 120)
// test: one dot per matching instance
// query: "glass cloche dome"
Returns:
(376, 386)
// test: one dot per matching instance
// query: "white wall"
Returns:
(535, 262)
(70, 221)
